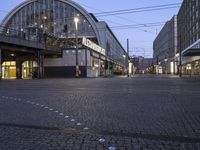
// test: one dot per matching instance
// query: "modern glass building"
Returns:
(65, 25)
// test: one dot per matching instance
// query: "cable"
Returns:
(131, 12)
(133, 9)
(142, 25)
(120, 17)
(3, 11)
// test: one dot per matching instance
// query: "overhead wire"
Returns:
(120, 17)
(141, 8)
(138, 11)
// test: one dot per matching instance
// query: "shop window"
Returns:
(9, 70)
(28, 68)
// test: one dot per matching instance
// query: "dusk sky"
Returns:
(141, 39)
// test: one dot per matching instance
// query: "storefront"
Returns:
(9, 70)
(192, 68)
(28, 69)
(97, 66)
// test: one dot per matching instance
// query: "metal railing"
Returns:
(34, 37)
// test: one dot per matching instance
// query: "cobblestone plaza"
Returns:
(142, 113)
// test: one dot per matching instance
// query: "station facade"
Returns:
(79, 38)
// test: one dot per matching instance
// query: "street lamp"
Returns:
(76, 20)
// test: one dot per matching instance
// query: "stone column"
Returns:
(86, 64)
(99, 66)
(40, 61)
(18, 68)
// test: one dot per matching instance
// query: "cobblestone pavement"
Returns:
(140, 113)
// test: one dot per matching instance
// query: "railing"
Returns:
(33, 37)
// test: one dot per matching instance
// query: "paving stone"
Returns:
(129, 113)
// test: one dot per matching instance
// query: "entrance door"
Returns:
(9, 70)
(28, 68)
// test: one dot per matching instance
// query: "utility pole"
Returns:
(76, 20)
(128, 56)
(128, 47)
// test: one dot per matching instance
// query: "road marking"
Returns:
(86, 128)
(78, 124)
(102, 140)
(56, 111)
(111, 148)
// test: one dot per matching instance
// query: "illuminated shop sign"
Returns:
(86, 42)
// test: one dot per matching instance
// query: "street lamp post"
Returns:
(124, 56)
(76, 20)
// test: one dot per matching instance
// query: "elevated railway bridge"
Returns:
(22, 53)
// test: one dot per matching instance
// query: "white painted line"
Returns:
(37, 104)
(78, 124)
(56, 111)
(102, 140)
(46, 107)
(72, 120)
(111, 148)
(51, 109)
(61, 114)
(86, 128)
(41, 105)
(66, 117)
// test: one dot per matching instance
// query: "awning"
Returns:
(192, 52)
